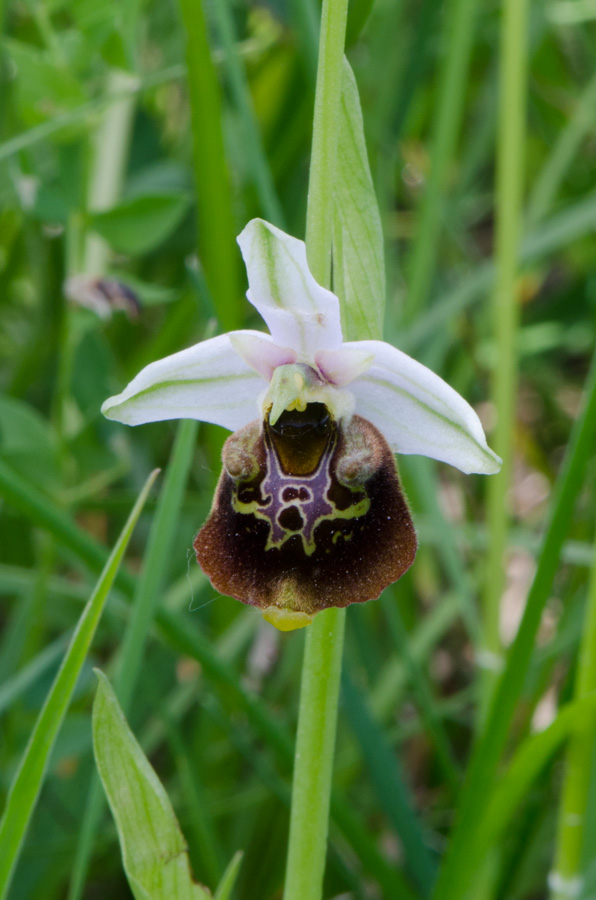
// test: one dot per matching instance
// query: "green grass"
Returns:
(447, 784)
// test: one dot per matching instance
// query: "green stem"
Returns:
(87, 252)
(566, 878)
(108, 163)
(510, 170)
(313, 763)
(319, 691)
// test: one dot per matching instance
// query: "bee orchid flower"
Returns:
(309, 511)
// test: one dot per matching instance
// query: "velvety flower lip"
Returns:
(307, 514)
(230, 379)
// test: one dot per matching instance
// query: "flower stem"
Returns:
(319, 691)
(565, 880)
(109, 158)
(313, 764)
(86, 251)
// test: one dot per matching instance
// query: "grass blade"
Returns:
(390, 787)
(558, 232)
(147, 594)
(530, 759)
(424, 698)
(450, 108)
(571, 832)
(30, 775)
(510, 175)
(217, 237)
(28, 675)
(261, 171)
(552, 174)
(480, 779)
(226, 885)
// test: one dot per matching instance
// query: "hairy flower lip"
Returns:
(352, 538)
(226, 379)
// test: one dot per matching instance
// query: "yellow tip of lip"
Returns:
(286, 619)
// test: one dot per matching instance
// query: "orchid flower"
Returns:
(308, 511)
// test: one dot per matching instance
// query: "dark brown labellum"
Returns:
(308, 514)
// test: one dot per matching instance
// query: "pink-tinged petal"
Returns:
(209, 382)
(418, 412)
(340, 367)
(299, 312)
(260, 352)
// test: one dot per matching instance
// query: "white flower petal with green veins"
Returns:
(299, 312)
(208, 382)
(420, 413)
(221, 380)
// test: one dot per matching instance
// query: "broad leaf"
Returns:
(140, 224)
(27, 442)
(154, 852)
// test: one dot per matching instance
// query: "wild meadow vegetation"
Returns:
(136, 141)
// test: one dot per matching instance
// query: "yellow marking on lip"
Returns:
(286, 619)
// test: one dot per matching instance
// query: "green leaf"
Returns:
(154, 852)
(30, 775)
(358, 262)
(139, 224)
(226, 885)
(147, 595)
(27, 442)
(502, 802)
(149, 293)
(43, 89)
(486, 754)
(390, 785)
(215, 212)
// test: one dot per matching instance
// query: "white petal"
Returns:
(340, 367)
(299, 312)
(208, 382)
(260, 352)
(419, 413)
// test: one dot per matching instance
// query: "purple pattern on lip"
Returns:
(305, 493)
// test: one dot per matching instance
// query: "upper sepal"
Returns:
(298, 311)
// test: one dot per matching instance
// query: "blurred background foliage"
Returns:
(110, 167)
